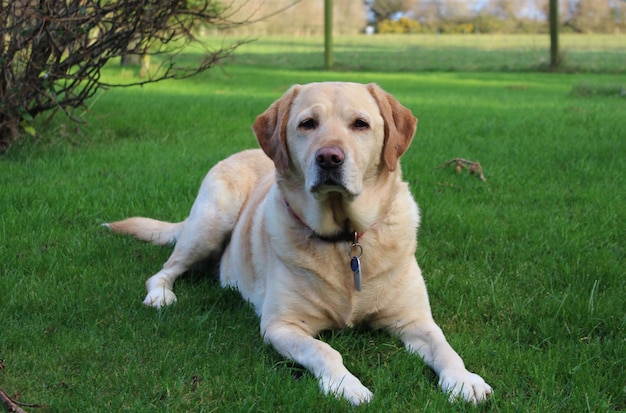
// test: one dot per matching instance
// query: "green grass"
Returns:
(525, 271)
(411, 53)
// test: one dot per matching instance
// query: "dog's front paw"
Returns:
(349, 387)
(465, 385)
(159, 297)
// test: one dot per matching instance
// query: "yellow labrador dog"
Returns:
(317, 231)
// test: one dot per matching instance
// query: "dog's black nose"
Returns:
(329, 158)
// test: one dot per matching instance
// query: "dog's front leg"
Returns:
(318, 358)
(427, 339)
(409, 316)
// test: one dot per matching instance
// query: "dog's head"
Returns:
(335, 136)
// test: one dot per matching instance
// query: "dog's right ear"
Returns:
(270, 129)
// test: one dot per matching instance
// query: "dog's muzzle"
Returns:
(329, 171)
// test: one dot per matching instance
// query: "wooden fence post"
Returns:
(328, 34)
(555, 59)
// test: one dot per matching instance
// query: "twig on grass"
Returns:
(460, 164)
(10, 403)
(14, 406)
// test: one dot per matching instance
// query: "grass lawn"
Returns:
(525, 271)
(410, 53)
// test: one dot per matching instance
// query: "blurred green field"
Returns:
(525, 271)
(416, 53)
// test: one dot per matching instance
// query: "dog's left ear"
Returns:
(270, 128)
(400, 125)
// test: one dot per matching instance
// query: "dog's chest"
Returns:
(337, 295)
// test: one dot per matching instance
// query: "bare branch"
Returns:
(12, 405)
(52, 51)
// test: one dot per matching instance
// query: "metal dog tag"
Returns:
(355, 251)
(355, 266)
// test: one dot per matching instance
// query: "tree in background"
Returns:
(295, 17)
(350, 16)
(387, 9)
(501, 16)
(505, 9)
(590, 16)
(429, 12)
(52, 51)
(565, 10)
(433, 12)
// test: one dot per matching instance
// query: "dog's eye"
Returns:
(360, 124)
(308, 124)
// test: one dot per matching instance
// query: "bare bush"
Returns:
(52, 51)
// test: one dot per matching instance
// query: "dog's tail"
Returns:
(148, 229)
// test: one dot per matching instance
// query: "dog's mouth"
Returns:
(331, 182)
(329, 185)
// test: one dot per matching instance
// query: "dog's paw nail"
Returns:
(159, 297)
(464, 385)
(350, 388)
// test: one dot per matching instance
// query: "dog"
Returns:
(318, 231)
